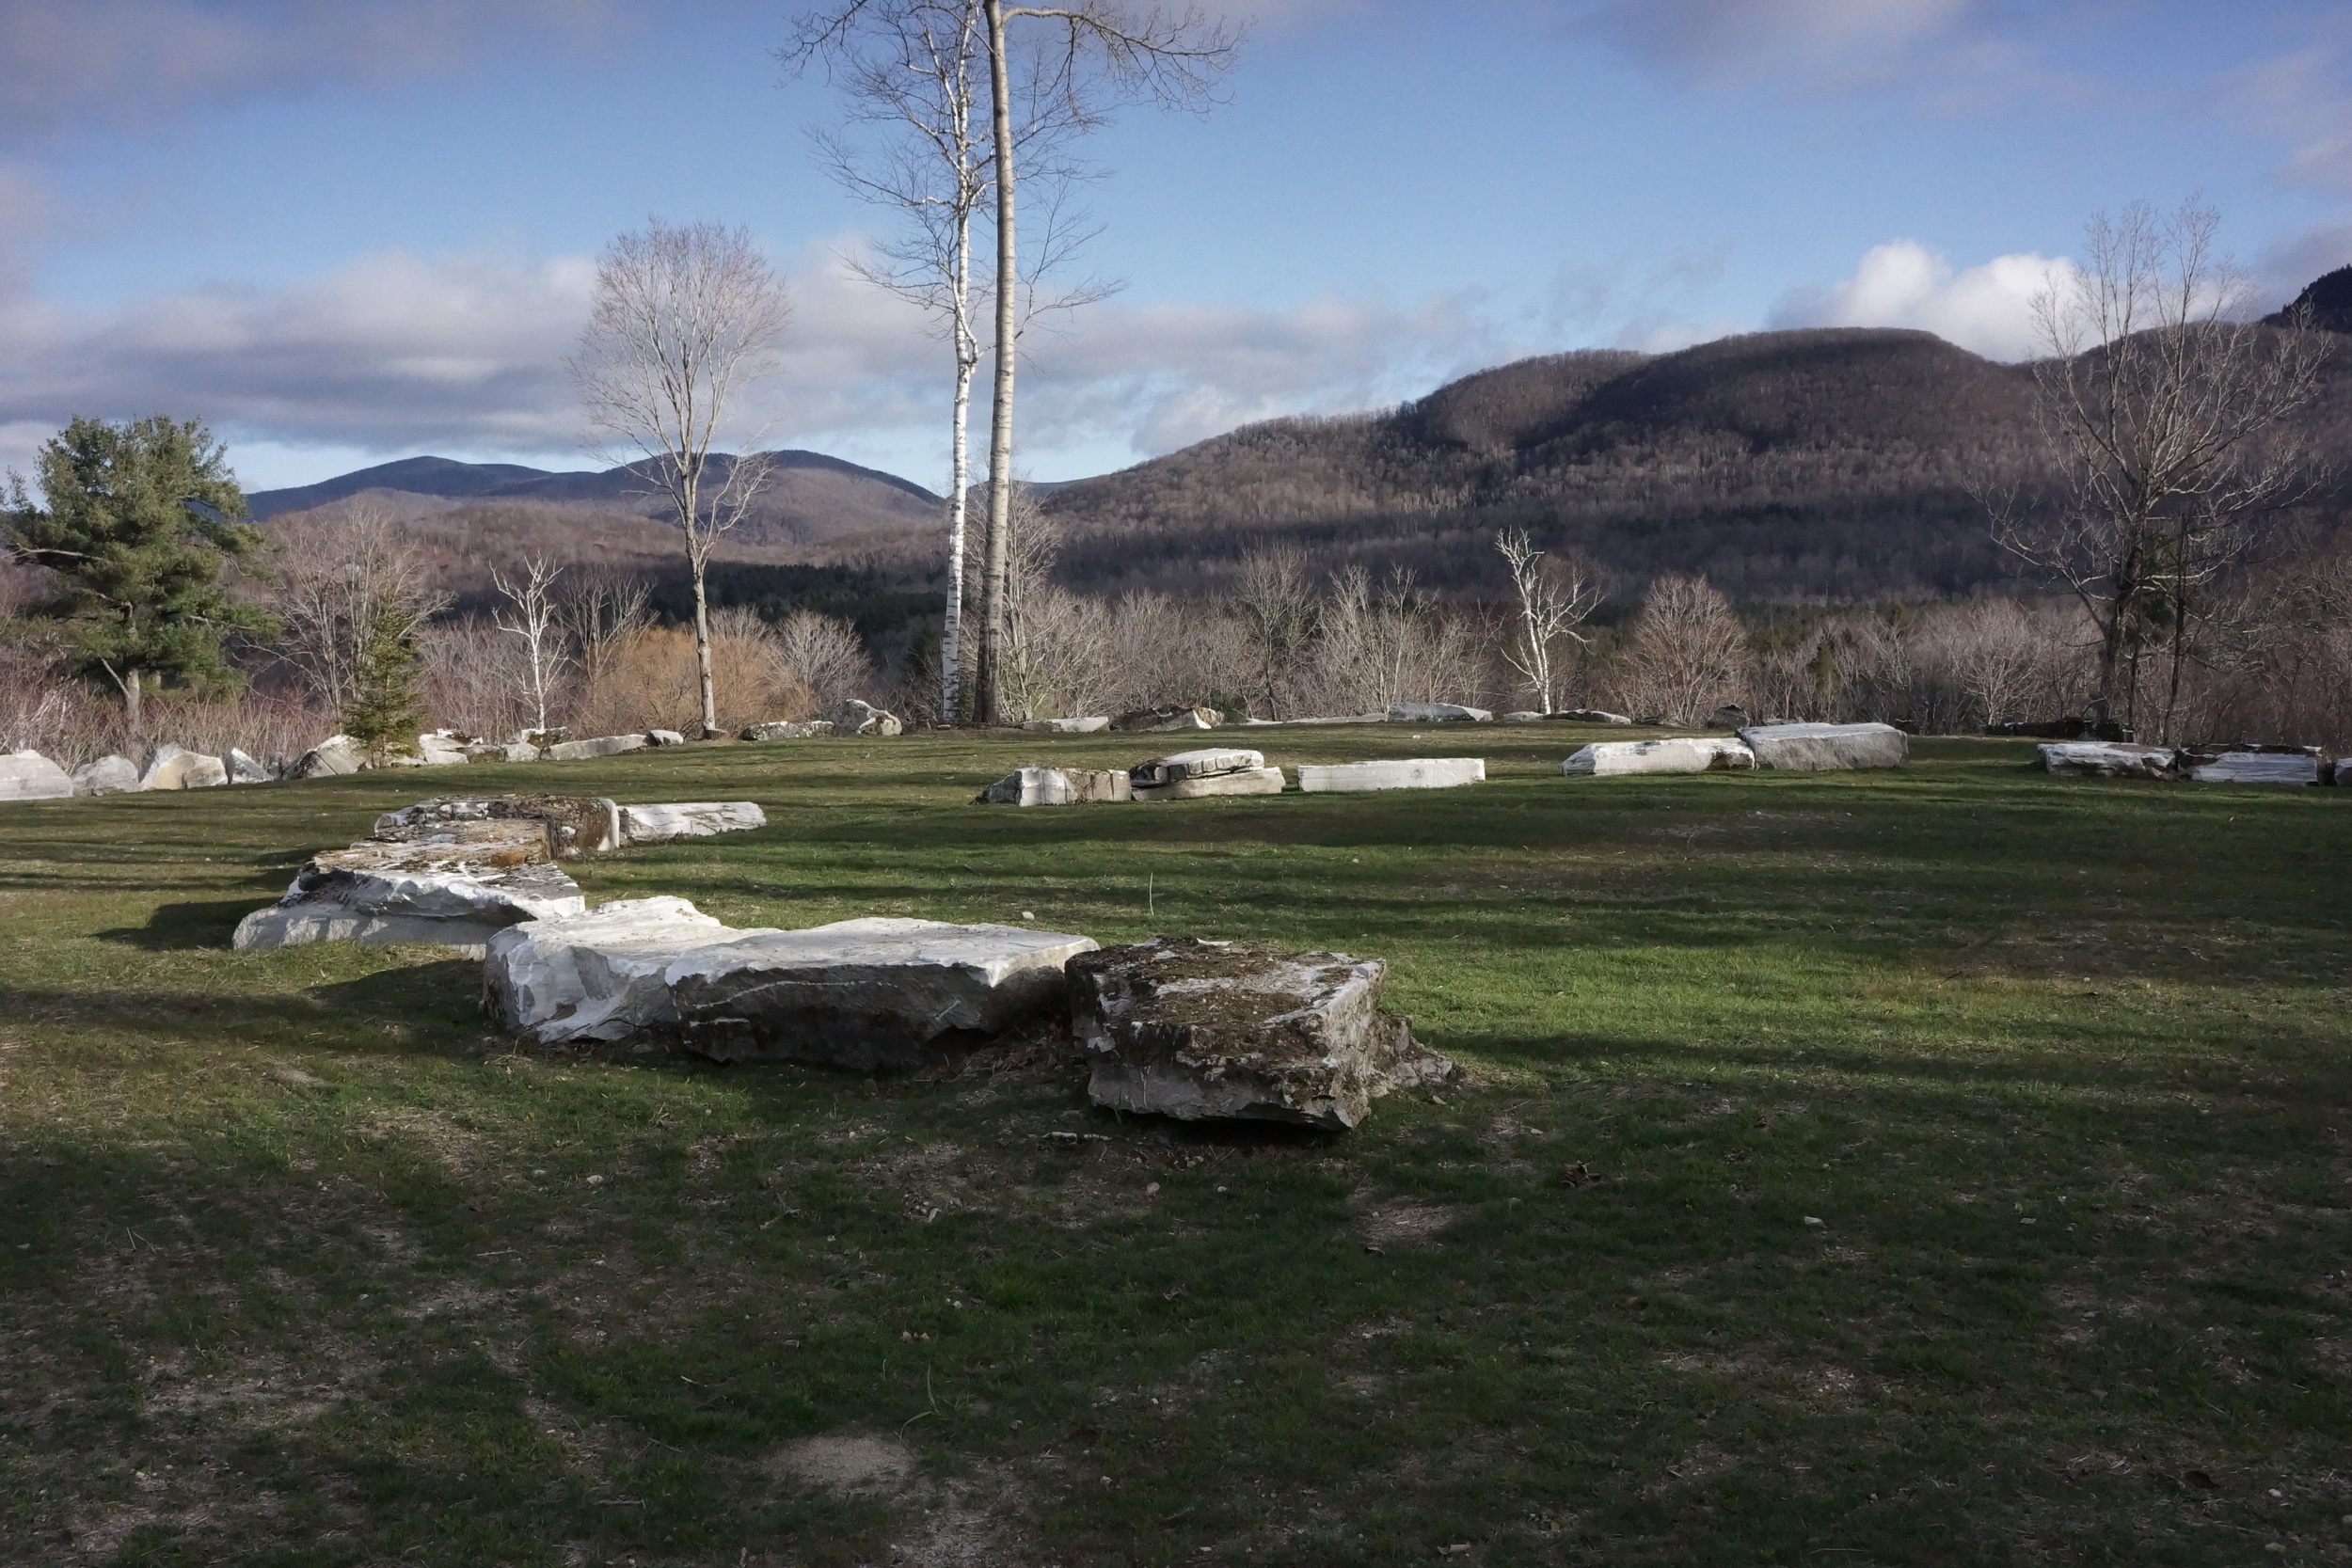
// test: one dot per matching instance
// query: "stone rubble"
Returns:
(784, 729)
(1415, 773)
(1162, 719)
(852, 716)
(1676, 754)
(1201, 1030)
(30, 776)
(1436, 713)
(1822, 748)
(577, 825)
(1056, 786)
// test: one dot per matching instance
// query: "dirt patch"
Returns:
(847, 1464)
(1406, 1224)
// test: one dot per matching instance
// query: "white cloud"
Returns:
(395, 353)
(1986, 310)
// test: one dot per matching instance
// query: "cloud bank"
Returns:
(1986, 310)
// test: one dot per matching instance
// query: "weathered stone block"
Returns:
(243, 770)
(1823, 748)
(665, 737)
(1056, 786)
(335, 755)
(596, 976)
(452, 895)
(1417, 773)
(576, 824)
(1678, 754)
(1591, 716)
(2267, 768)
(2107, 759)
(1066, 726)
(659, 824)
(1250, 781)
(30, 776)
(1200, 1030)
(1200, 764)
(867, 994)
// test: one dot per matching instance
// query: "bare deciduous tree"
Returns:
(336, 579)
(1555, 598)
(685, 318)
(825, 652)
(1276, 601)
(602, 609)
(1688, 654)
(532, 617)
(2163, 407)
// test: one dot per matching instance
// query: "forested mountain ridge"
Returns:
(1819, 463)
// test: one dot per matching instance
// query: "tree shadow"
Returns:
(179, 927)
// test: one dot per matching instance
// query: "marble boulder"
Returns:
(1676, 754)
(596, 976)
(243, 770)
(601, 746)
(2266, 767)
(1438, 713)
(852, 716)
(30, 776)
(335, 755)
(1827, 748)
(176, 768)
(109, 775)
(1066, 726)
(1214, 1031)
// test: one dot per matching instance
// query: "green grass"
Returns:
(301, 1263)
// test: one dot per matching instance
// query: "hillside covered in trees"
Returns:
(1808, 465)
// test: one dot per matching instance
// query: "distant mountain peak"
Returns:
(2328, 297)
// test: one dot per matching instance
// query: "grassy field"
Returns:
(1939, 1167)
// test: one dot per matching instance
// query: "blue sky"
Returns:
(349, 231)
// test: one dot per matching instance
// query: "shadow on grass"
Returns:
(175, 927)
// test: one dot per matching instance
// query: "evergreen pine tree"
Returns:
(387, 709)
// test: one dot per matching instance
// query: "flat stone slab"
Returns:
(1590, 716)
(176, 768)
(1380, 717)
(1823, 748)
(1056, 786)
(1676, 754)
(448, 895)
(597, 976)
(1250, 781)
(2107, 759)
(602, 746)
(1213, 1031)
(1066, 726)
(2270, 768)
(1417, 773)
(659, 824)
(30, 776)
(576, 824)
(784, 729)
(109, 775)
(1438, 713)
(1208, 761)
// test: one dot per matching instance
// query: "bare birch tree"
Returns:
(2163, 407)
(1554, 600)
(532, 617)
(1169, 57)
(685, 318)
(910, 72)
